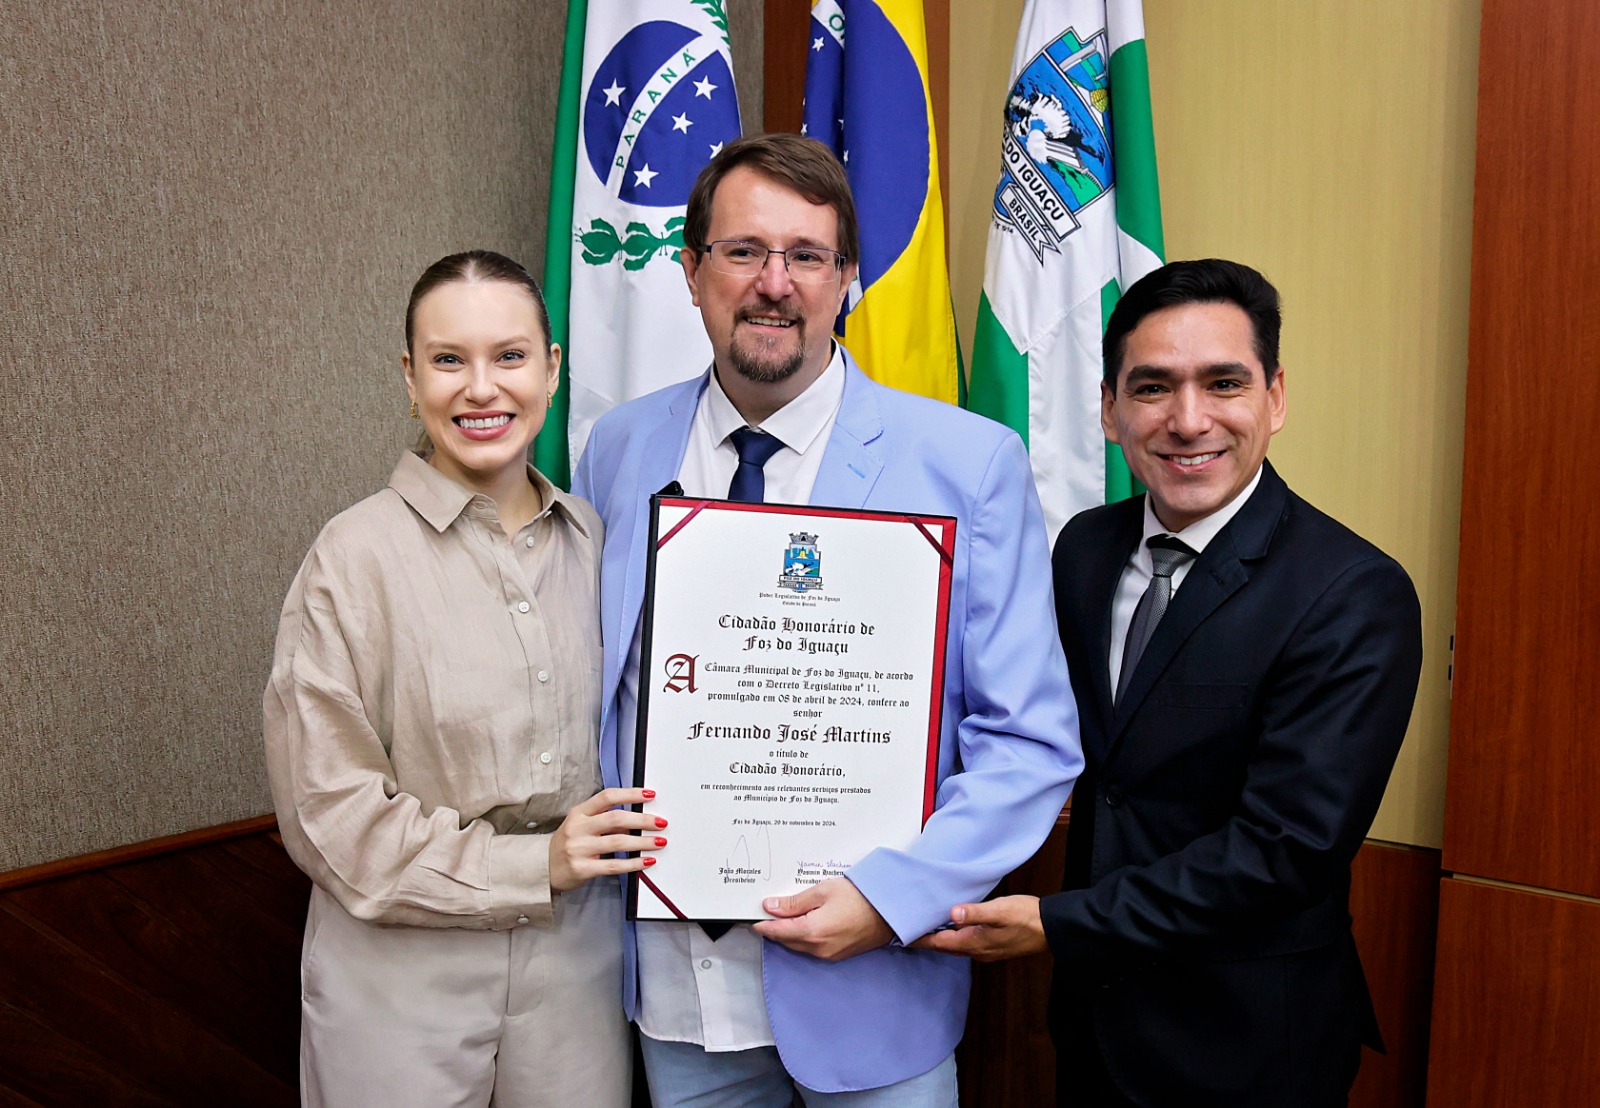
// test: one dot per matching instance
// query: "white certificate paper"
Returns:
(790, 684)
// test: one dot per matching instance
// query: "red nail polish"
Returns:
(649, 794)
(660, 822)
(649, 861)
(660, 841)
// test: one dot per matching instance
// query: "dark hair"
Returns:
(1206, 281)
(797, 162)
(475, 265)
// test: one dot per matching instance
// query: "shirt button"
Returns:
(545, 758)
(544, 675)
(522, 919)
(705, 963)
(532, 825)
(523, 605)
(529, 543)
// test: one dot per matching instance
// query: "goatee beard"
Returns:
(766, 371)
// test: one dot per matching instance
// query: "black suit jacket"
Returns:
(1203, 945)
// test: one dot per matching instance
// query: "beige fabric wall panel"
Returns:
(1330, 144)
(211, 215)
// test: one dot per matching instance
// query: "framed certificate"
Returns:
(790, 683)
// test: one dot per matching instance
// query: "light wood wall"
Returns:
(1329, 143)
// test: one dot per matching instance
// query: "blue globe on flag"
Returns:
(658, 107)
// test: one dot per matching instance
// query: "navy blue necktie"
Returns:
(749, 484)
(1166, 555)
(755, 447)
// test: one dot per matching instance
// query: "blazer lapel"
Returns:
(1104, 565)
(658, 463)
(1220, 571)
(851, 463)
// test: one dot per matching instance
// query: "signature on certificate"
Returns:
(750, 857)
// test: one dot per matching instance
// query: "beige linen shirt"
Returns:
(433, 706)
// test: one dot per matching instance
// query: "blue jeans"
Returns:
(685, 1075)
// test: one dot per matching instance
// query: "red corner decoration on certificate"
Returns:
(790, 689)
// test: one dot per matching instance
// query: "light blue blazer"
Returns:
(1008, 751)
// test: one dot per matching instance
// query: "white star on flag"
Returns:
(704, 87)
(816, 43)
(717, 149)
(682, 123)
(643, 177)
(614, 93)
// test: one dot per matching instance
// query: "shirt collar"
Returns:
(798, 423)
(440, 501)
(1199, 533)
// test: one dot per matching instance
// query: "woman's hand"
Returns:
(598, 827)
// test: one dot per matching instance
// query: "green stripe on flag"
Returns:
(999, 388)
(1133, 148)
(550, 454)
(1119, 479)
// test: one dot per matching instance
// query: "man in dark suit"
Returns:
(1243, 692)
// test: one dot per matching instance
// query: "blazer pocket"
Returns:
(1178, 694)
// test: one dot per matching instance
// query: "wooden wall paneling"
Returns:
(44, 1067)
(1526, 713)
(1394, 901)
(784, 28)
(1005, 1058)
(264, 873)
(217, 916)
(65, 991)
(10, 1098)
(131, 940)
(159, 980)
(1516, 1003)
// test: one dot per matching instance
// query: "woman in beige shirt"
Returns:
(431, 741)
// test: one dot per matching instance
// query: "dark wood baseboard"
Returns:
(165, 973)
(150, 848)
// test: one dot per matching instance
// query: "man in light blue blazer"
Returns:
(825, 1001)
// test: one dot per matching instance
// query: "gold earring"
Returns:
(414, 413)
(550, 400)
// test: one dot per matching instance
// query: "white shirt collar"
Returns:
(797, 424)
(1199, 533)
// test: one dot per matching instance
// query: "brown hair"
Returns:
(474, 265)
(471, 265)
(794, 161)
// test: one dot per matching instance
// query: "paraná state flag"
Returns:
(867, 98)
(653, 100)
(1076, 219)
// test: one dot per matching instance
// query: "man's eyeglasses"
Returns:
(747, 259)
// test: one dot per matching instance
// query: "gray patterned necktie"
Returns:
(1166, 554)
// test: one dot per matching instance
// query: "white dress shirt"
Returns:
(1137, 573)
(693, 990)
